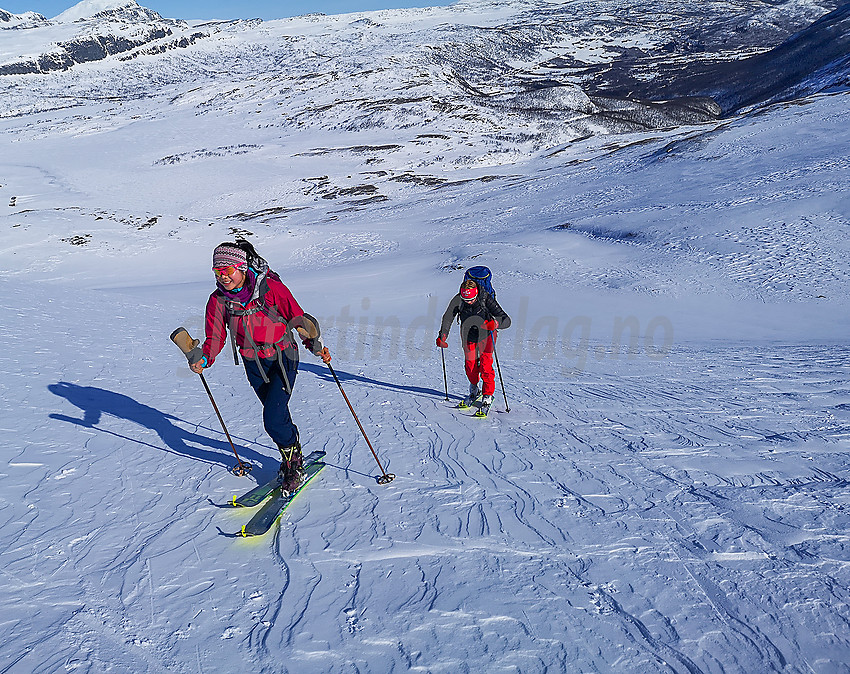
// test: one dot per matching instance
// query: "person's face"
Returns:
(469, 300)
(230, 277)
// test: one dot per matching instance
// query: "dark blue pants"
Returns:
(274, 396)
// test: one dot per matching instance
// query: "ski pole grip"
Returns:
(190, 347)
(306, 326)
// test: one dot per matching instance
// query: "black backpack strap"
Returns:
(286, 385)
(235, 350)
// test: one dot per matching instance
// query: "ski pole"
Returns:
(386, 477)
(241, 468)
(499, 370)
(445, 377)
(190, 349)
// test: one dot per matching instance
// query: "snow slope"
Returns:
(667, 493)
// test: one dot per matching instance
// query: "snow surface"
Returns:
(669, 491)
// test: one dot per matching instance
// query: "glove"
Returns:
(199, 365)
(490, 325)
(441, 341)
(190, 347)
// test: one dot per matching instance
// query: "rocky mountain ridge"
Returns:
(87, 32)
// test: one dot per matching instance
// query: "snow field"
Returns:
(643, 515)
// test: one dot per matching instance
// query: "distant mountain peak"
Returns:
(7, 19)
(89, 9)
(91, 30)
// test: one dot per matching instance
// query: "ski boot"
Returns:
(474, 395)
(291, 473)
(484, 410)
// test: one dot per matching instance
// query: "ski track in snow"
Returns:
(689, 515)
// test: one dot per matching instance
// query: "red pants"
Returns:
(478, 363)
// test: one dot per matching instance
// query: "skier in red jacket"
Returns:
(259, 310)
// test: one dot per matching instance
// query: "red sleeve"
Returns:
(284, 300)
(215, 327)
(288, 308)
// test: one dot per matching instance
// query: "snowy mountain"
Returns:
(661, 191)
(113, 10)
(92, 30)
(556, 72)
(25, 20)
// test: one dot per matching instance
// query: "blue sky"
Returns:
(217, 9)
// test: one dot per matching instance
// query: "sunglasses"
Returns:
(224, 271)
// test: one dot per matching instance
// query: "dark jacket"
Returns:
(471, 316)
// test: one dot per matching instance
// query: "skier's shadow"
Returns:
(325, 374)
(95, 402)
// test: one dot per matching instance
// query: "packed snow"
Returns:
(669, 490)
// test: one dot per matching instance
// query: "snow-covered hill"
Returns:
(813, 59)
(669, 491)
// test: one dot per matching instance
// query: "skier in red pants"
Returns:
(480, 316)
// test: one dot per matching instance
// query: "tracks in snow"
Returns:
(686, 515)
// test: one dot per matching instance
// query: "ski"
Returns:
(466, 403)
(258, 494)
(272, 509)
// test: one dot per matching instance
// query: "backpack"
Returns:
(482, 276)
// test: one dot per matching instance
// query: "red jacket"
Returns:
(262, 330)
